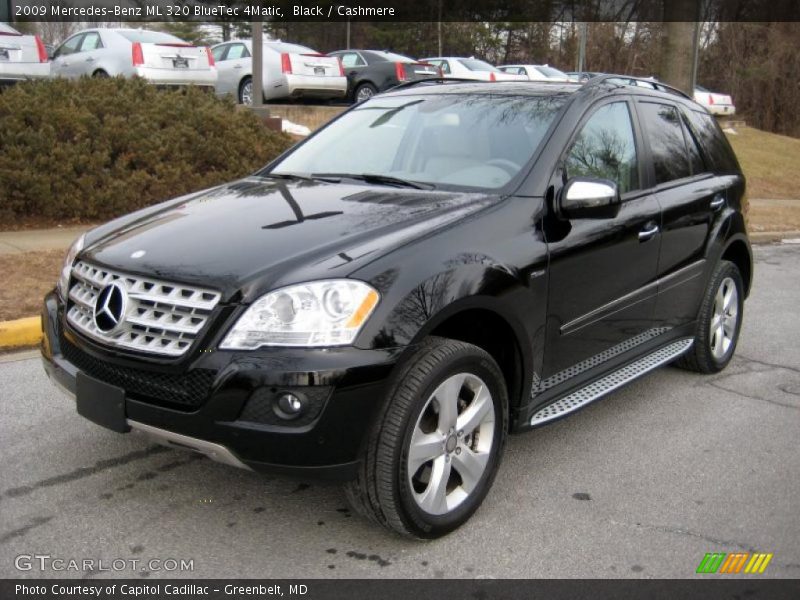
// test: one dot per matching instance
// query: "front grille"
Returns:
(186, 391)
(157, 317)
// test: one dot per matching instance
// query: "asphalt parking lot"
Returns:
(640, 484)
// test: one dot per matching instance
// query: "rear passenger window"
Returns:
(695, 156)
(716, 148)
(667, 145)
(605, 148)
(237, 51)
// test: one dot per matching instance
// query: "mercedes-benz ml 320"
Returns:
(440, 266)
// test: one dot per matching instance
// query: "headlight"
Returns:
(320, 313)
(63, 281)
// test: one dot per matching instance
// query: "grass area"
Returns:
(770, 162)
(28, 277)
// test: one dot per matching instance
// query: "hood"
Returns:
(254, 235)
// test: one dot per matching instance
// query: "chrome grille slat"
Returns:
(163, 318)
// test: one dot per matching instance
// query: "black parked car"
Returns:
(500, 256)
(372, 71)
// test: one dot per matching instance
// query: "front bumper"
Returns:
(347, 384)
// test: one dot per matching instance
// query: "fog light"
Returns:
(288, 406)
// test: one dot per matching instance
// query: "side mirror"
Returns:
(587, 198)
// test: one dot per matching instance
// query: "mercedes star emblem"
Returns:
(110, 307)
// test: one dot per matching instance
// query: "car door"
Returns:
(354, 65)
(233, 65)
(65, 57)
(602, 274)
(690, 196)
(85, 60)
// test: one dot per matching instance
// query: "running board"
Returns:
(597, 389)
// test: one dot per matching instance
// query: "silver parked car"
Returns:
(289, 71)
(158, 57)
(536, 72)
(21, 56)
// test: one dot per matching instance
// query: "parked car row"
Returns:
(290, 71)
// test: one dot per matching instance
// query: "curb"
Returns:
(22, 332)
(768, 237)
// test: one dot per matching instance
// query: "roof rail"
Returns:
(628, 79)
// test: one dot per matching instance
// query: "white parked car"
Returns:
(289, 71)
(716, 104)
(21, 56)
(470, 68)
(536, 72)
(158, 57)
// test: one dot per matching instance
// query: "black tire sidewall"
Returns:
(243, 83)
(418, 521)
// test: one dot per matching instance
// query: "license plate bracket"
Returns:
(101, 403)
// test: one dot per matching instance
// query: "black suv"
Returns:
(440, 266)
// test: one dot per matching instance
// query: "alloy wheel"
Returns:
(724, 322)
(451, 443)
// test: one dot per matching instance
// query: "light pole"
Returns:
(258, 62)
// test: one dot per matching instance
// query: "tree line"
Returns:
(757, 63)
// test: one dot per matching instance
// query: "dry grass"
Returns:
(770, 162)
(27, 278)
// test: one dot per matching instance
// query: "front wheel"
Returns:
(718, 323)
(435, 447)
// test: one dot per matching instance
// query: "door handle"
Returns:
(717, 202)
(237, 66)
(650, 230)
(90, 59)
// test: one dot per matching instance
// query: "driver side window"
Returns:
(606, 149)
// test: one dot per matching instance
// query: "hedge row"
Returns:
(93, 149)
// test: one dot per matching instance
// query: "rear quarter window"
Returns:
(718, 152)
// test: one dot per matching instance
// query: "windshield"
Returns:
(477, 65)
(7, 29)
(551, 72)
(388, 56)
(149, 37)
(473, 140)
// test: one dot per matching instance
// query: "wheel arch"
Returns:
(484, 322)
(738, 251)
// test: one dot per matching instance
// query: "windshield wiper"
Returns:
(376, 178)
(289, 176)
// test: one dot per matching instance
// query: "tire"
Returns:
(245, 93)
(386, 490)
(364, 92)
(100, 74)
(724, 296)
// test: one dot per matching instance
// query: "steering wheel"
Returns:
(509, 166)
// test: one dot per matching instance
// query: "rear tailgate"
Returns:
(312, 64)
(174, 56)
(420, 71)
(720, 99)
(18, 48)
